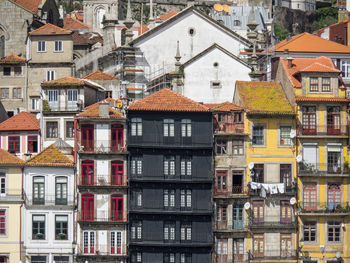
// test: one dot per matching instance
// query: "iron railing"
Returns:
(323, 168)
(48, 200)
(102, 216)
(337, 130)
(274, 254)
(272, 221)
(324, 207)
(101, 146)
(229, 127)
(236, 225)
(103, 250)
(161, 141)
(103, 180)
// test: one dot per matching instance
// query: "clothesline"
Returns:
(268, 188)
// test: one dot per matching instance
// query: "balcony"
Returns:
(237, 191)
(225, 128)
(158, 140)
(323, 130)
(323, 169)
(99, 217)
(102, 250)
(272, 222)
(48, 200)
(106, 181)
(280, 255)
(237, 226)
(103, 147)
(289, 190)
(324, 208)
(234, 258)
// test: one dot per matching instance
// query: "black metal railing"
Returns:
(48, 200)
(323, 168)
(275, 254)
(272, 221)
(160, 141)
(324, 207)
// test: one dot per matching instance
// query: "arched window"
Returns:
(100, 12)
(2, 46)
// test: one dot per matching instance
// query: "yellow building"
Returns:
(269, 121)
(10, 207)
(319, 98)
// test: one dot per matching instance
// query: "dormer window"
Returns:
(326, 84)
(313, 84)
(41, 46)
(58, 46)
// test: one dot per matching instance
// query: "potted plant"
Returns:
(62, 235)
(39, 235)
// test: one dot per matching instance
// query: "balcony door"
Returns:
(309, 120)
(87, 137)
(310, 156)
(333, 120)
(334, 159)
(117, 173)
(238, 250)
(237, 216)
(116, 207)
(87, 207)
(258, 212)
(221, 251)
(310, 196)
(116, 242)
(89, 242)
(334, 194)
(286, 212)
(286, 246)
(258, 246)
(87, 167)
(237, 182)
(117, 138)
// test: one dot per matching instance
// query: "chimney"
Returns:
(104, 110)
(290, 62)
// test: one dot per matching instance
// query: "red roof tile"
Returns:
(86, 38)
(51, 156)
(71, 23)
(227, 107)
(68, 81)
(168, 100)
(321, 99)
(166, 16)
(8, 159)
(30, 5)
(22, 121)
(50, 29)
(12, 59)
(98, 75)
(92, 111)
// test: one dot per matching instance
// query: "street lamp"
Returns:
(74, 245)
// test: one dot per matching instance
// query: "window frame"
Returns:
(50, 75)
(285, 137)
(40, 227)
(314, 84)
(185, 232)
(41, 46)
(169, 196)
(261, 136)
(3, 222)
(334, 226)
(309, 227)
(31, 139)
(61, 194)
(90, 245)
(136, 231)
(60, 228)
(185, 199)
(221, 146)
(15, 93)
(326, 84)
(69, 126)
(136, 165)
(6, 73)
(186, 128)
(14, 144)
(3, 183)
(169, 128)
(3, 93)
(169, 166)
(136, 127)
(53, 131)
(116, 241)
(221, 181)
(238, 147)
(169, 231)
(186, 166)
(58, 46)
(39, 184)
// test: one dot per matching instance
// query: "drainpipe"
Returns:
(26, 86)
(297, 185)
(20, 218)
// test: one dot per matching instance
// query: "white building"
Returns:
(49, 199)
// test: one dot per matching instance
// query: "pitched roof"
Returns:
(71, 23)
(168, 100)
(22, 121)
(12, 59)
(266, 97)
(68, 81)
(86, 38)
(29, 5)
(93, 110)
(50, 29)
(320, 64)
(313, 99)
(51, 156)
(8, 159)
(99, 75)
(227, 107)
(309, 43)
(166, 16)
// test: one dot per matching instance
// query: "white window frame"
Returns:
(58, 45)
(41, 46)
(118, 236)
(136, 127)
(168, 128)
(186, 128)
(72, 95)
(89, 241)
(50, 75)
(34, 104)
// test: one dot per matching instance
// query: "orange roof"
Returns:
(320, 64)
(92, 111)
(8, 159)
(166, 16)
(74, 24)
(321, 99)
(212, 105)
(30, 5)
(227, 106)
(266, 97)
(22, 121)
(12, 59)
(168, 100)
(307, 42)
(51, 156)
(67, 81)
(98, 75)
(50, 29)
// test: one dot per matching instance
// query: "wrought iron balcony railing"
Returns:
(278, 254)
(323, 168)
(332, 207)
(101, 146)
(48, 199)
(272, 221)
(103, 180)
(335, 130)
(103, 250)
(102, 216)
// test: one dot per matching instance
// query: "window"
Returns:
(41, 46)
(185, 198)
(136, 127)
(18, 71)
(39, 190)
(50, 75)
(69, 129)
(138, 197)
(14, 144)
(258, 173)
(186, 231)
(309, 120)
(4, 93)
(136, 257)
(136, 165)
(117, 173)
(32, 144)
(87, 207)
(186, 166)
(221, 181)
(333, 120)
(61, 227)
(236, 23)
(58, 46)
(61, 191)
(136, 230)
(237, 216)
(221, 247)
(238, 250)
(185, 258)
(169, 165)
(286, 175)
(221, 213)
(17, 93)
(221, 146)
(326, 85)
(258, 135)
(52, 95)
(285, 139)
(51, 129)
(169, 198)
(89, 242)
(345, 68)
(7, 71)
(117, 137)
(116, 242)
(72, 95)
(168, 128)
(333, 231)
(87, 137)
(3, 222)
(38, 259)
(169, 231)
(60, 259)
(169, 258)
(237, 147)
(238, 117)
(314, 84)
(258, 212)
(34, 104)
(286, 212)
(117, 207)
(334, 195)
(186, 128)
(310, 231)
(258, 246)
(310, 196)
(38, 227)
(2, 183)
(87, 167)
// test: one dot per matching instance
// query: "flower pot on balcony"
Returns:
(62, 236)
(39, 235)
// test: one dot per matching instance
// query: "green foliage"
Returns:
(46, 106)
(325, 16)
(281, 33)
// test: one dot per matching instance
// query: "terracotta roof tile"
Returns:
(212, 105)
(7, 158)
(168, 100)
(50, 29)
(307, 42)
(30, 5)
(321, 99)
(12, 59)
(227, 106)
(86, 38)
(166, 16)
(51, 156)
(71, 23)
(98, 75)
(68, 81)
(92, 111)
(22, 121)
(263, 97)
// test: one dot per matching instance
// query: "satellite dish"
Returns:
(218, 7)
(299, 158)
(226, 8)
(246, 205)
(118, 104)
(38, 116)
(338, 254)
(292, 201)
(292, 134)
(251, 165)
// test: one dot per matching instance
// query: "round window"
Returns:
(191, 32)
(216, 64)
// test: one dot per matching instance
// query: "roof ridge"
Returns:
(64, 162)
(50, 25)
